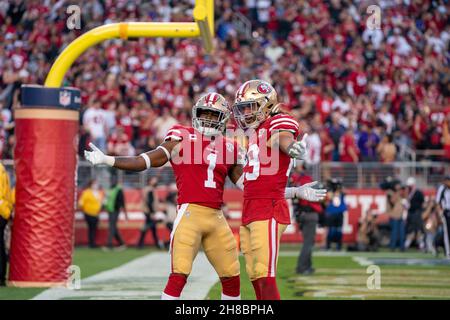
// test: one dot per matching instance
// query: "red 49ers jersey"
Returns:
(201, 165)
(266, 170)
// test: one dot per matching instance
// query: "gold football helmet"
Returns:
(210, 114)
(253, 103)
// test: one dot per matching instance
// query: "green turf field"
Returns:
(339, 276)
(90, 261)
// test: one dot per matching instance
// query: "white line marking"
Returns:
(142, 278)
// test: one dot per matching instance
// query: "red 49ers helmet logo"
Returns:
(263, 88)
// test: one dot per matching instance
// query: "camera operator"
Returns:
(443, 201)
(334, 213)
(395, 210)
(368, 234)
(307, 216)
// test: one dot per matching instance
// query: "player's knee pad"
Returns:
(260, 269)
(181, 260)
(249, 268)
(231, 270)
(182, 265)
(228, 265)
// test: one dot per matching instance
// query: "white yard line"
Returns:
(379, 254)
(142, 278)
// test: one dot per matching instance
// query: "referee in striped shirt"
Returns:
(443, 200)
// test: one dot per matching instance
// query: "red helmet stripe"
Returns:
(242, 89)
(211, 98)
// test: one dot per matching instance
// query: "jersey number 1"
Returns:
(212, 159)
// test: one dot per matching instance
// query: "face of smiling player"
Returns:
(209, 121)
(246, 114)
(210, 114)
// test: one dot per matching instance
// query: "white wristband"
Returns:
(148, 163)
(165, 151)
(109, 160)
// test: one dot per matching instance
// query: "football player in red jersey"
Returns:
(201, 157)
(272, 143)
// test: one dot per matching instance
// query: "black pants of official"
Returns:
(150, 224)
(92, 223)
(446, 228)
(113, 230)
(308, 223)
(3, 257)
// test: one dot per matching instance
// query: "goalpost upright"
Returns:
(202, 27)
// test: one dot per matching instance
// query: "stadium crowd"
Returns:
(361, 93)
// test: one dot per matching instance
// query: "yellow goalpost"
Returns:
(203, 27)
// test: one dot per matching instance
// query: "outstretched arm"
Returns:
(306, 192)
(154, 158)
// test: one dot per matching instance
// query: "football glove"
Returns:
(308, 193)
(96, 156)
(297, 149)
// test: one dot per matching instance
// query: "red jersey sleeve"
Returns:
(284, 122)
(175, 133)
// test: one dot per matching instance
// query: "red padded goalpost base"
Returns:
(45, 162)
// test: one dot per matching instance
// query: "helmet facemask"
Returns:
(209, 122)
(249, 114)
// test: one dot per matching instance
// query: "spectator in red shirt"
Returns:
(119, 143)
(124, 120)
(419, 130)
(327, 146)
(348, 149)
